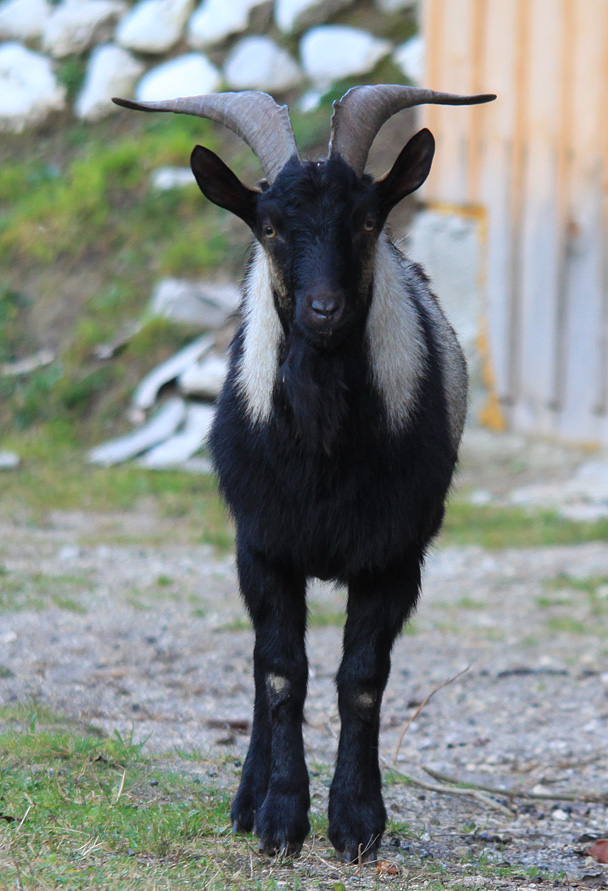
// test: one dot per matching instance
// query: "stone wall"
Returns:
(157, 49)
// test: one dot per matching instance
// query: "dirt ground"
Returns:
(152, 640)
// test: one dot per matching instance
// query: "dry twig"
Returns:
(453, 790)
(422, 705)
(587, 797)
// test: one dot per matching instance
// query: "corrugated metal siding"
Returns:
(536, 161)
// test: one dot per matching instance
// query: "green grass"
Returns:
(83, 811)
(83, 240)
(35, 590)
(55, 476)
(80, 809)
(576, 605)
(504, 527)
(89, 396)
(589, 585)
(99, 194)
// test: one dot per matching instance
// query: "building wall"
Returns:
(534, 165)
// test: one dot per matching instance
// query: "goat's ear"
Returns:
(408, 172)
(219, 184)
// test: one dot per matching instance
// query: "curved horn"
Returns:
(360, 113)
(252, 115)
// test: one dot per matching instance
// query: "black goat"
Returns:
(335, 438)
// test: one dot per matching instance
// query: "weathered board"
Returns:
(535, 163)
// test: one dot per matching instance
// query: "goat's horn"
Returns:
(360, 113)
(252, 115)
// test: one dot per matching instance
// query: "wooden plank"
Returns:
(583, 249)
(500, 181)
(602, 406)
(478, 84)
(452, 125)
(540, 224)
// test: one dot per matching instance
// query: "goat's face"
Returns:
(318, 223)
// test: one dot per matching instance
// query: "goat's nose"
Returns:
(327, 307)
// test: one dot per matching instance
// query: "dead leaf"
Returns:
(385, 868)
(599, 850)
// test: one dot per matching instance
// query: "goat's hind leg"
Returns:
(273, 796)
(378, 604)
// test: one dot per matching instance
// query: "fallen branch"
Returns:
(422, 705)
(477, 794)
(587, 797)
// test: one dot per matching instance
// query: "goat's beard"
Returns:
(316, 391)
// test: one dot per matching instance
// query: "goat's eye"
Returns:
(369, 225)
(269, 231)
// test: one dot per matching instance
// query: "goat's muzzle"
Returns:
(320, 311)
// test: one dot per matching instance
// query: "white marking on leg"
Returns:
(276, 683)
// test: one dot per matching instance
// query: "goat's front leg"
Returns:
(273, 796)
(378, 604)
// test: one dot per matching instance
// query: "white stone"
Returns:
(75, 25)
(126, 332)
(154, 26)
(27, 364)
(204, 379)
(198, 465)
(165, 178)
(188, 75)
(295, 15)
(159, 428)
(396, 5)
(215, 20)
(69, 553)
(147, 391)
(23, 19)
(206, 304)
(584, 497)
(9, 460)
(112, 71)
(584, 513)
(258, 63)
(310, 101)
(183, 444)
(481, 497)
(29, 90)
(331, 52)
(409, 58)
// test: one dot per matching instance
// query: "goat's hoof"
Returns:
(282, 824)
(367, 854)
(242, 825)
(283, 849)
(356, 825)
(243, 812)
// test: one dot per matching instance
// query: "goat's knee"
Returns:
(359, 701)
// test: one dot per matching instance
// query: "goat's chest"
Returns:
(333, 515)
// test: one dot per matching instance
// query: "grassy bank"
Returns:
(82, 810)
(83, 239)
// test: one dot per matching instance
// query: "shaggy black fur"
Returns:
(325, 488)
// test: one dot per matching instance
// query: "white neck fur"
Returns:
(394, 334)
